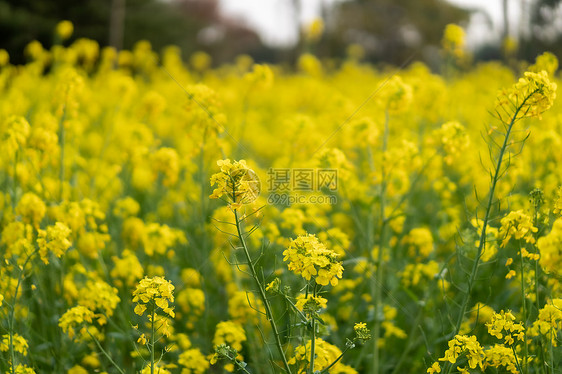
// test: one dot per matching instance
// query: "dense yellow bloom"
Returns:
(435, 368)
(532, 95)
(453, 39)
(193, 362)
(230, 333)
(236, 181)
(326, 354)
(310, 305)
(165, 161)
(517, 225)
(18, 238)
(191, 302)
(499, 355)
(99, 296)
(77, 369)
(158, 368)
(74, 318)
(156, 292)
(550, 247)
(13, 135)
(31, 209)
(54, 239)
(547, 62)
(309, 258)
(502, 327)
(454, 139)
(24, 369)
(549, 321)
(462, 344)
(419, 242)
(19, 342)
(127, 268)
(414, 274)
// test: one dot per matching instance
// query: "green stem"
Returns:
(313, 338)
(13, 310)
(261, 291)
(152, 341)
(14, 183)
(61, 144)
(524, 306)
(476, 263)
(104, 351)
(347, 348)
(377, 280)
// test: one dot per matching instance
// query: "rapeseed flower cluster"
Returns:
(104, 176)
(309, 258)
(155, 292)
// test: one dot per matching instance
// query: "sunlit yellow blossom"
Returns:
(64, 29)
(310, 305)
(435, 368)
(230, 333)
(155, 292)
(77, 369)
(549, 321)
(326, 354)
(532, 95)
(24, 369)
(54, 239)
(193, 362)
(453, 39)
(31, 209)
(503, 327)
(19, 342)
(468, 345)
(74, 318)
(127, 268)
(517, 225)
(308, 257)
(550, 247)
(236, 181)
(500, 355)
(13, 135)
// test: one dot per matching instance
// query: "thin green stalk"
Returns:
(313, 339)
(152, 341)
(14, 183)
(377, 280)
(61, 144)
(526, 351)
(312, 346)
(263, 296)
(476, 263)
(104, 352)
(411, 340)
(13, 310)
(537, 300)
(347, 348)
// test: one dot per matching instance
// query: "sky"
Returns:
(275, 20)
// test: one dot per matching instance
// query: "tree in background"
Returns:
(390, 30)
(190, 24)
(544, 31)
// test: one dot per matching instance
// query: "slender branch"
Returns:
(476, 263)
(263, 296)
(104, 351)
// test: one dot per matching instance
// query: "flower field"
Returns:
(162, 217)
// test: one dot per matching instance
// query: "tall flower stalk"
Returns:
(529, 97)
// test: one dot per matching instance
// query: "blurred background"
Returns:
(278, 31)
